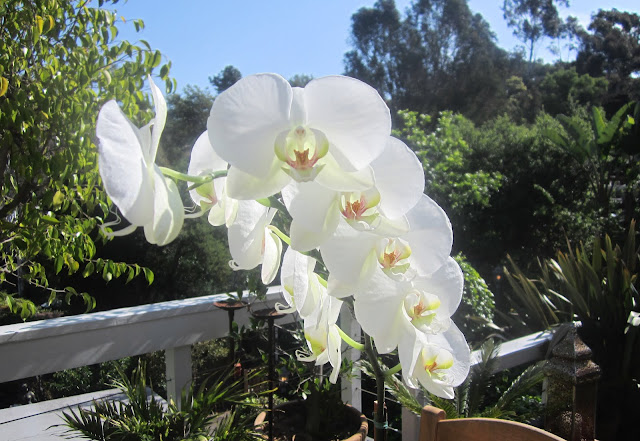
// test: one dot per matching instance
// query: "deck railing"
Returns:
(41, 347)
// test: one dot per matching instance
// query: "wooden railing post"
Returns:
(178, 371)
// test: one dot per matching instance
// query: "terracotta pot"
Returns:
(356, 419)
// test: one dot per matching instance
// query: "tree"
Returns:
(188, 113)
(225, 79)
(563, 89)
(533, 20)
(59, 62)
(300, 80)
(612, 50)
(439, 57)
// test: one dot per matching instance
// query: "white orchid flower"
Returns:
(392, 311)
(439, 362)
(211, 196)
(399, 182)
(323, 338)
(252, 241)
(131, 178)
(271, 133)
(301, 287)
(351, 255)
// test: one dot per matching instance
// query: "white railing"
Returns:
(41, 347)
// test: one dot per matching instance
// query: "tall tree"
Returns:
(533, 20)
(59, 62)
(439, 57)
(226, 78)
(612, 50)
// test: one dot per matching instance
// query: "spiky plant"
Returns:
(142, 416)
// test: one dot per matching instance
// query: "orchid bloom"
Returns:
(252, 241)
(131, 178)
(393, 311)
(271, 133)
(399, 182)
(323, 338)
(439, 362)
(351, 255)
(302, 289)
(211, 196)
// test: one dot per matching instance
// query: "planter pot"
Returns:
(290, 418)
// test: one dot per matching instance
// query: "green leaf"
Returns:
(4, 85)
(59, 261)
(50, 219)
(148, 274)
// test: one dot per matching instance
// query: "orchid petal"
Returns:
(450, 342)
(122, 165)
(314, 212)
(430, 236)
(243, 186)
(352, 115)
(247, 234)
(159, 120)
(399, 178)
(168, 211)
(446, 283)
(379, 312)
(250, 114)
(335, 178)
(204, 160)
(271, 258)
(348, 253)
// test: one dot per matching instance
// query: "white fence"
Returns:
(41, 347)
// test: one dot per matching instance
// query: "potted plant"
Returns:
(315, 169)
(314, 409)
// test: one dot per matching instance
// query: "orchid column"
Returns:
(355, 221)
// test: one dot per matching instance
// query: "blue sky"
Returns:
(288, 37)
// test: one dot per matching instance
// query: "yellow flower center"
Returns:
(300, 149)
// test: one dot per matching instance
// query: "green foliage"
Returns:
(446, 158)
(145, 417)
(475, 314)
(600, 289)
(564, 89)
(542, 198)
(599, 149)
(59, 61)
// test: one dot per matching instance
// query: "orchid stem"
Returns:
(348, 340)
(280, 234)
(394, 370)
(378, 418)
(273, 202)
(195, 179)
